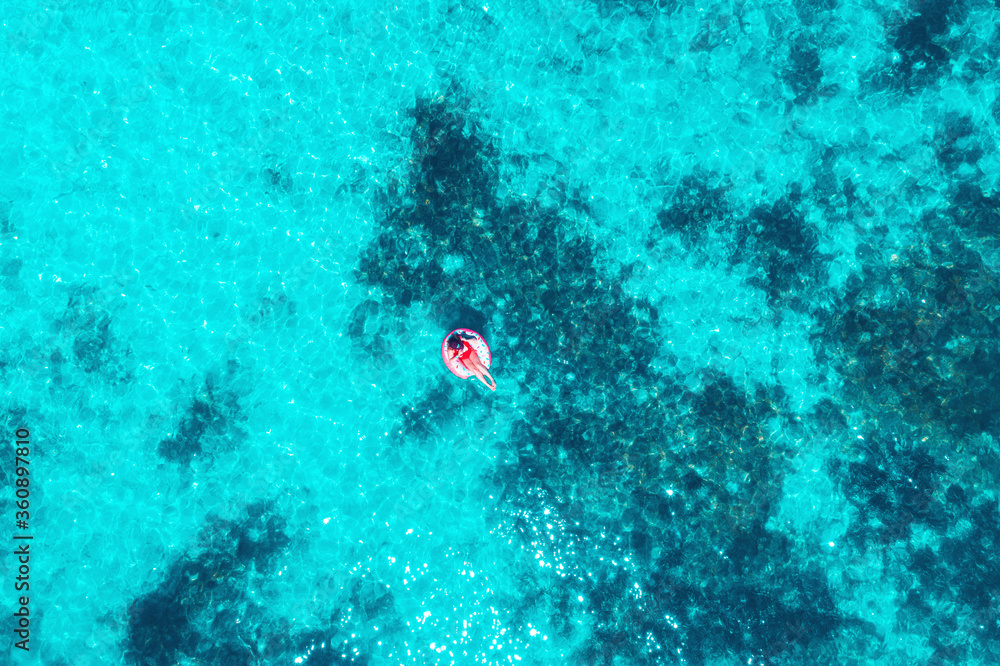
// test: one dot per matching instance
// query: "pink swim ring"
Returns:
(477, 343)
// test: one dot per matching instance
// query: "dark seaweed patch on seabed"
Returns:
(775, 239)
(916, 341)
(922, 43)
(87, 321)
(448, 206)
(783, 246)
(803, 73)
(976, 212)
(758, 603)
(919, 338)
(895, 485)
(693, 207)
(208, 607)
(713, 579)
(185, 445)
(202, 609)
(955, 142)
(214, 417)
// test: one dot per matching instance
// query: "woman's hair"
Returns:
(454, 341)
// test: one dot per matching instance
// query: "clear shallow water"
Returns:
(736, 264)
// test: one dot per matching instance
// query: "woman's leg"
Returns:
(479, 376)
(477, 368)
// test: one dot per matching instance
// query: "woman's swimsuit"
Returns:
(468, 351)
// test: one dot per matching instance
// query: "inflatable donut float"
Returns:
(477, 343)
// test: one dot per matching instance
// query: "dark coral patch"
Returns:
(804, 74)
(775, 239)
(441, 212)
(922, 43)
(185, 445)
(557, 306)
(456, 314)
(202, 610)
(960, 579)
(733, 612)
(829, 415)
(694, 207)
(782, 245)
(87, 320)
(893, 485)
(213, 417)
(452, 171)
(724, 486)
(976, 212)
(955, 142)
(918, 338)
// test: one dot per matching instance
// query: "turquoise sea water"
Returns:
(737, 264)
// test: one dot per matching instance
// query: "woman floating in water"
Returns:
(459, 352)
